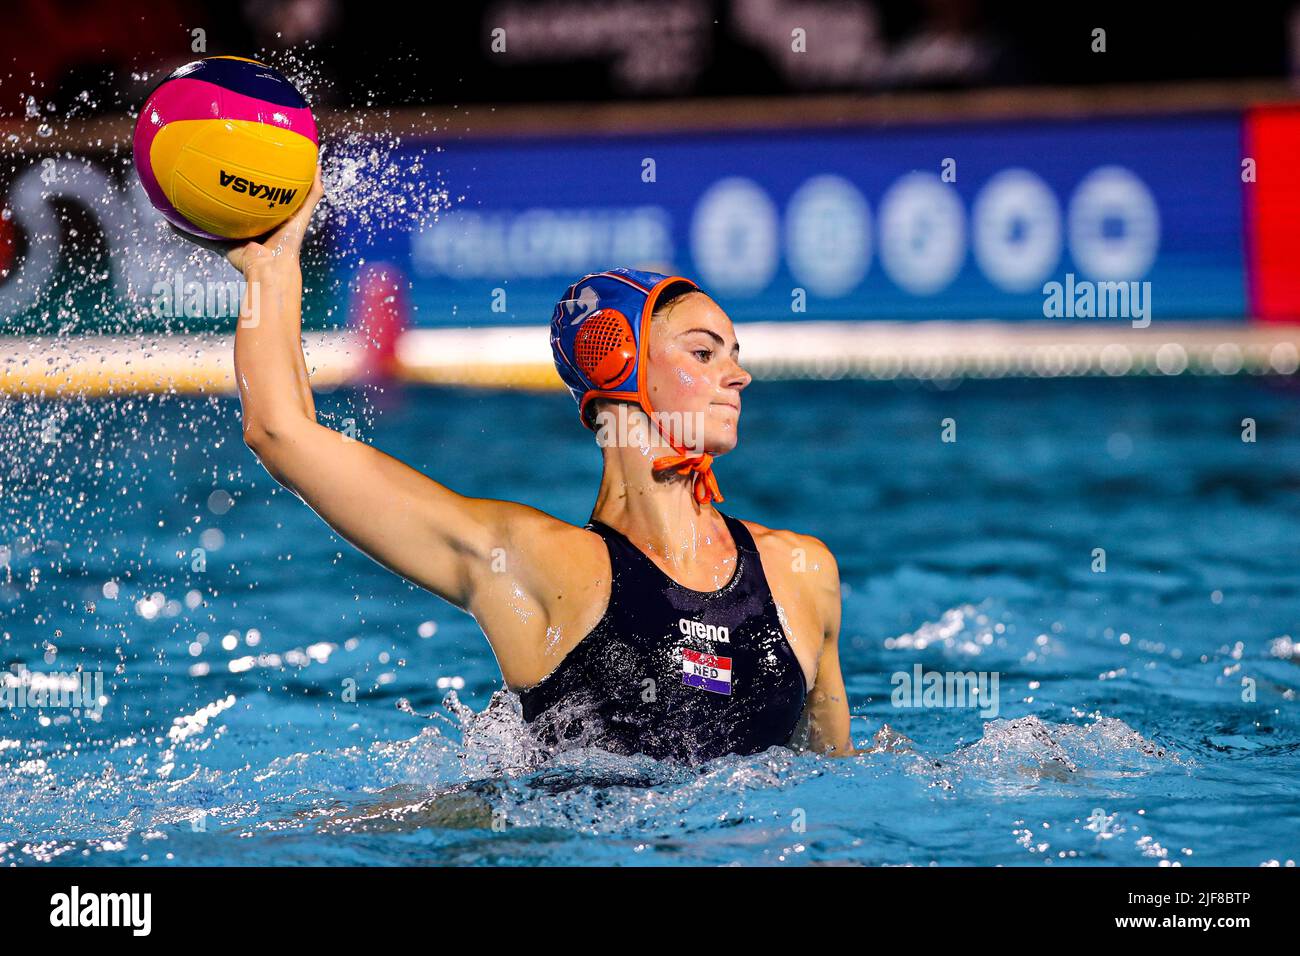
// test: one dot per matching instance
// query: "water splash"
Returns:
(1026, 752)
(964, 629)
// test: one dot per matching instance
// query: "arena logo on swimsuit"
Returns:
(708, 632)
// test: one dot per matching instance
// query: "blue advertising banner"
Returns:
(1013, 221)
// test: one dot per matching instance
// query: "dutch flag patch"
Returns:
(706, 671)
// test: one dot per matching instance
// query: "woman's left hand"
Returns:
(282, 245)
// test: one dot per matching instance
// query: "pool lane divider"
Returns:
(519, 356)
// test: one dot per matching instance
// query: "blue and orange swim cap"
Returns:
(599, 342)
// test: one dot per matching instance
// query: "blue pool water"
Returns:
(1121, 737)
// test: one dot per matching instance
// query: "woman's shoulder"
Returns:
(801, 567)
(804, 551)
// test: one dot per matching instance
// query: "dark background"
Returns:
(91, 57)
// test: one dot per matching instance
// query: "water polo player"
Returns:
(664, 626)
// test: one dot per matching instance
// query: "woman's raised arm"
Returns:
(425, 532)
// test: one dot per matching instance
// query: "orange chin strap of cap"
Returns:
(704, 485)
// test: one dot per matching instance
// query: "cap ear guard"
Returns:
(605, 349)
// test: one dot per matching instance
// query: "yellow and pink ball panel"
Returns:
(226, 148)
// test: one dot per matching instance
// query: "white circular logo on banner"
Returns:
(1114, 225)
(828, 235)
(1017, 230)
(734, 237)
(922, 233)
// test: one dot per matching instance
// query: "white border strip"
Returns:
(921, 350)
(520, 357)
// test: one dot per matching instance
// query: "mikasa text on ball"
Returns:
(226, 148)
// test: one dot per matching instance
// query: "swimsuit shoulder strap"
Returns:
(740, 534)
(748, 555)
(628, 564)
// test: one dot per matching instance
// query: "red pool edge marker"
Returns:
(378, 314)
(1271, 137)
(8, 247)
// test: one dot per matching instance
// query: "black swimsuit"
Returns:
(672, 672)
